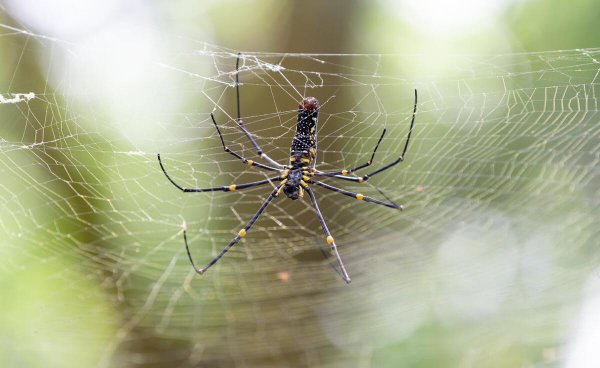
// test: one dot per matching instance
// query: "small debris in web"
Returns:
(13, 98)
(283, 276)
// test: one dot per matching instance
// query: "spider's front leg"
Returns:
(360, 197)
(224, 188)
(237, 238)
(330, 240)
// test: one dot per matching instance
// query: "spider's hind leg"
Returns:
(240, 122)
(235, 154)
(366, 164)
(361, 179)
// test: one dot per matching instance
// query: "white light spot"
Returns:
(391, 309)
(440, 17)
(476, 266)
(62, 18)
(135, 153)
(583, 350)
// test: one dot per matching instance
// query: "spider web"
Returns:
(500, 183)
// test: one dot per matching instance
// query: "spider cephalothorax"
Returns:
(294, 179)
(291, 184)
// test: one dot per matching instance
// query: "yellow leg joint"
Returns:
(303, 183)
(242, 233)
(329, 239)
(305, 178)
(232, 187)
(359, 196)
(344, 172)
(250, 162)
(360, 180)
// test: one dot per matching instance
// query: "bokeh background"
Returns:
(493, 264)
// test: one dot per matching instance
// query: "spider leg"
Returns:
(235, 154)
(359, 196)
(368, 163)
(365, 177)
(237, 238)
(330, 241)
(240, 122)
(225, 188)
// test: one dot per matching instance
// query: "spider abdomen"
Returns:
(304, 143)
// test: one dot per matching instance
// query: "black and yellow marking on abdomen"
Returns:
(304, 144)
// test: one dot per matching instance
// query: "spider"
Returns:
(294, 179)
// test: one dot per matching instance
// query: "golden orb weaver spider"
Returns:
(295, 177)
